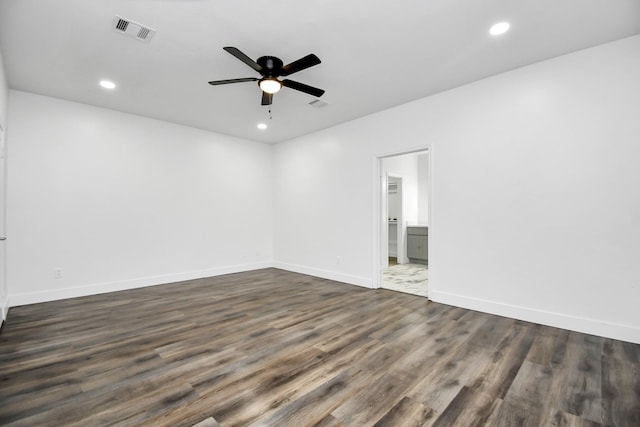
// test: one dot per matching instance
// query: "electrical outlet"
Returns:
(338, 260)
(57, 273)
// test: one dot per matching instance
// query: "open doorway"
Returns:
(403, 255)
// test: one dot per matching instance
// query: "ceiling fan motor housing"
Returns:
(271, 65)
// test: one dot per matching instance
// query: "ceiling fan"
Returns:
(270, 68)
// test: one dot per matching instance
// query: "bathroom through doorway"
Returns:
(404, 228)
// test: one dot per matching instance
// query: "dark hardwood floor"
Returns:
(276, 348)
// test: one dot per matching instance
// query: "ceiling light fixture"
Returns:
(499, 28)
(270, 84)
(107, 84)
(262, 126)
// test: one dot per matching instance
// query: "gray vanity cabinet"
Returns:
(417, 247)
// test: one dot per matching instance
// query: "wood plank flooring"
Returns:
(275, 348)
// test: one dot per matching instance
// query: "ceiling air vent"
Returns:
(318, 103)
(132, 29)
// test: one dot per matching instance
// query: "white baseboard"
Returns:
(101, 288)
(4, 309)
(365, 282)
(559, 320)
(564, 321)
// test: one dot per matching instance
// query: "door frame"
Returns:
(4, 292)
(380, 226)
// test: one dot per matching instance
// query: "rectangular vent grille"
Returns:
(132, 29)
(122, 25)
(318, 103)
(143, 33)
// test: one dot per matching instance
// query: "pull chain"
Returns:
(270, 116)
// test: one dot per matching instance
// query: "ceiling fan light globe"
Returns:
(270, 85)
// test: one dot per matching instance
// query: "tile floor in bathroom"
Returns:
(407, 278)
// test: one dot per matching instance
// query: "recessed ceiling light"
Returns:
(262, 126)
(107, 84)
(499, 28)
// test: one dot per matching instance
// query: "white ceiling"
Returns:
(375, 53)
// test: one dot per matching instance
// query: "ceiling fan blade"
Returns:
(226, 82)
(267, 98)
(301, 64)
(244, 58)
(303, 87)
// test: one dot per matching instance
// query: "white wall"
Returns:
(118, 201)
(4, 90)
(535, 183)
